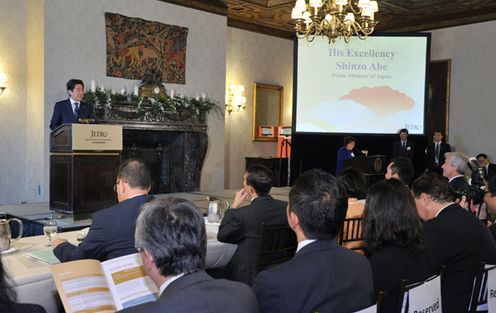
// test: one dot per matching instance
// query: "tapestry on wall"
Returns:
(136, 47)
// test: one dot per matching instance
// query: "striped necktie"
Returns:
(76, 109)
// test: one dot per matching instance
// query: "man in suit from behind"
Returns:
(111, 234)
(454, 168)
(72, 109)
(404, 147)
(489, 169)
(435, 151)
(242, 225)
(454, 237)
(322, 276)
(170, 235)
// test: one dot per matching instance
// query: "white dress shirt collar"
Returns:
(456, 177)
(304, 243)
(444, 207)
(168, 282)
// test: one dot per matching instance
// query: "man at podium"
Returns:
(73, 109)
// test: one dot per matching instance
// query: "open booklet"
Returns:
(91, 286)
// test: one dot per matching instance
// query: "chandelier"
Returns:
(334, 19)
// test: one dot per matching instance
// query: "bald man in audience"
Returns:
(322, 276)
(111, 234)
(454, 237)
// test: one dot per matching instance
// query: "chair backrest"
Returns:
(478, 299)
(277, 245)
(351, 235)
(376, 308)
(421, 295)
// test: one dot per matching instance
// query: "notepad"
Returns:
(46, 256)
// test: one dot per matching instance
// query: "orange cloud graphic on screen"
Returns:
(381, 100)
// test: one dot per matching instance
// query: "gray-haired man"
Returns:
(170, 233)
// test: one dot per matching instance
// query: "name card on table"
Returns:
(96, 137)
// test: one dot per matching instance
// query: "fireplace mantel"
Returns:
(174, 151)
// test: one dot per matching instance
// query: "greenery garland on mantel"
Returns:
(157, 108)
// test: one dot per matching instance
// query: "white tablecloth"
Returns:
(33, 279)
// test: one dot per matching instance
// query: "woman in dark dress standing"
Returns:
(345, 153)
(8, 296)
(393, 239)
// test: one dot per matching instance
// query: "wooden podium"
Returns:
(84, 160)
(373, 167)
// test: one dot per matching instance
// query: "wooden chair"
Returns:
(478, 299)
(351, 235)
(277, 245)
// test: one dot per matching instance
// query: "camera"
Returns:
(473, 194)
(477, 177)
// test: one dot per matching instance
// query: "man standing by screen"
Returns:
(404, 147)
(71, 110)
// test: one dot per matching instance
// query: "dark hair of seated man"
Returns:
(320, 202)
(354, 181)
(404, 168)
(260, 178)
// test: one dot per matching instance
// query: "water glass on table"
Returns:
(50, 230)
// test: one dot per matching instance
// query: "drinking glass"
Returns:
(50, 229)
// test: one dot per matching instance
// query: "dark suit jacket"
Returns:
(322, 276)
(22, 308)
(457, 239)
(491, 170)
(111, 234)
(391, 265)
(408, 152)
(430, 156)
(199, 293)
(242, 226)
(459, 183)
(63, 114)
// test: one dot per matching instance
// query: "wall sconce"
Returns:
(235, 101)
(3, 79)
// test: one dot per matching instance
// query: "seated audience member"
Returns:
(454, 169)
(242, 226)
(322, 276)
(489, 169)
(170, 234)
(400, 168)
(454, 237)
(435, 151)
(111, 234)
(393, 239)
(354, 181)
(490, 200)
(346, 152)
(8, 298)
(355, 184)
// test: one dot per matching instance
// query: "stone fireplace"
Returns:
(174, 152)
